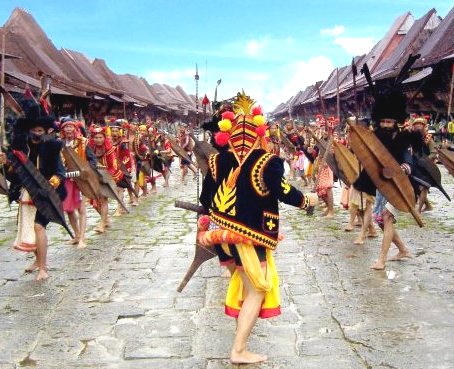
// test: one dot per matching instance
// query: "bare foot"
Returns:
(378, 265)
(359, 240)
(372, 234)
(81, 244)
(42, 275)
(400, 256)
(117, 213)
(246, 357)
(73, 241)
(348, 228)
(100, 228)
(32, 267)
(328, 215)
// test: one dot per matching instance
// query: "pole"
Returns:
(338, 96)
(450, 92)
(196, 78)
(2, 100)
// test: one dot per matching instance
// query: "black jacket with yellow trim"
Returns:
(249, 205)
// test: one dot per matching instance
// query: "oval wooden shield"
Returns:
(88, 181)
(384, 170)
(347, 162)
(179, 151)
(447, 159)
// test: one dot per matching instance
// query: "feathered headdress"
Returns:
(390, 102)
(242, 128)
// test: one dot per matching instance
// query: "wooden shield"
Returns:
(447, 159)
(42, 193)
(202, 151)
(108, 186)
(88, 181)
(347, 162)
(384, 171)
(177, 149)
(329, 157)
(288, 144)
(3, 185)
(430, 168)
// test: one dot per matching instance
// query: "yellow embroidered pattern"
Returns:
(285, 186)
(258, 182)
(225, 197)
(239, 228)
(212, 165)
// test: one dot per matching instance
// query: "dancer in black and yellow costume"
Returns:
(241, 193)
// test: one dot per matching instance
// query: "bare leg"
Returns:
(367, 219)
(103, 206)
(184, 172)
(353, 211)
(41, 252)
(329, 203)
(119, 211)
(388, 235)
(246, 321)
(166, 177)
(33, 266)
(82, 223)
(75, 226)
(403, 252)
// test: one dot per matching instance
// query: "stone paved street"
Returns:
(115, 305)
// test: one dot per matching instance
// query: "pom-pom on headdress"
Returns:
(243, 127)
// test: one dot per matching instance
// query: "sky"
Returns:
(269, 49)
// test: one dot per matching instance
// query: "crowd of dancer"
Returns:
(244, 182)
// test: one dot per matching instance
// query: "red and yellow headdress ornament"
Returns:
(243, 128)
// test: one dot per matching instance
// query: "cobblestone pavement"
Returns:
(115, 305)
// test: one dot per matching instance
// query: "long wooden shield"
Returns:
(202, 151)
(384, 170)
(11, 102)
(127, 178)
(42, 193)
(88, 181)
(329, 157)
(288, 144)
(430, 169)
(447, 159)
(347, 162)
(3, 185)
(108, 186)
(177, 149)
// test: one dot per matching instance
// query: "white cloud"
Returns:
(268, 89)
(335, 31)
(355, 45)
(253, 47)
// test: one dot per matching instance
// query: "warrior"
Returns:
(388, 111)
(274, 142)
(187, 144)
(105, 154)
(164, 151)
(30, 138)
(74, 201)
(124, 159)
(325, 180)
(141, 151)
(427, 148)
(241, 192)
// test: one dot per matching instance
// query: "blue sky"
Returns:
(271, 49)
